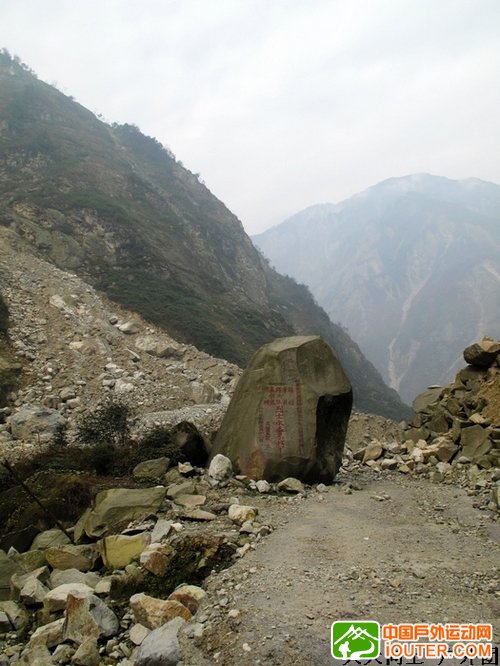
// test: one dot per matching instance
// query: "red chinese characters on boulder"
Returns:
(280, 417)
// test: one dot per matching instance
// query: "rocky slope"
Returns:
(410, 266)
(77, 348)
(116, 208)
(396, 538)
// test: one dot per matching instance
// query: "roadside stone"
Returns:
(482, 354)
(36, 422)
(8, 567)
(445, 449)
(151, 469)
(161, 530)
(191, 443)
(138, 633)
(56, 599)
(63, 653)
(17, 615)
(373, 451)
(161, 647)
(221, 468)
(130, 327)
(69, 556)
(19, 580)
(198, 515)
(190, 596)
(88, 617)
(120, 504)
(475, 442)
(38, 655)
(240, 513)
(291, 485)
(119, 550)
(186, 469)
(50, 634)
(64, 576)
(157, 557)
(33, 592)
(49, 539)
(183, 488)
(87, 654)
(263, 486)
(153, 613)
(289, 413)
(190, 501)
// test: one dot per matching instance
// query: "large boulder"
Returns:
(158, 345)
(482, 354)
(35, 422)
(289, 413)
(117, 505)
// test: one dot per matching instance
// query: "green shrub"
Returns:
(107, 424)
(158, 442)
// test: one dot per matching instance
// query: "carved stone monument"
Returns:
(289, 413)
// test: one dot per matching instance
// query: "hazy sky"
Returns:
(280, 104)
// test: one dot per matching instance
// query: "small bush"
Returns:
(158, 442)
(59, 439)
(107, 424)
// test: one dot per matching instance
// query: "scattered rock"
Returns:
(240, 513)
(153, 613)
(161, 647)
(221, 468)
(291, 485)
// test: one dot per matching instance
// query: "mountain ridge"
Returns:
(115, 207)
(401, 256)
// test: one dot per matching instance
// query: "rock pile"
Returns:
(455, 435)
(129, 586)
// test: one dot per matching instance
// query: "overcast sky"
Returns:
(280, 104)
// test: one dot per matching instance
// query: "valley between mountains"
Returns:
(412, 544)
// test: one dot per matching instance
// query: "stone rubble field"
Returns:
(192, 566)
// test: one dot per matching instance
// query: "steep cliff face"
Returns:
(411, 267)
(118, 209)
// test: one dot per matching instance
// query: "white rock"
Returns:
(220, 468)
(263, 486)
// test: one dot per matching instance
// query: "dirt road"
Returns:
(396, 550)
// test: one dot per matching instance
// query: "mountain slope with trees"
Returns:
(115, 207)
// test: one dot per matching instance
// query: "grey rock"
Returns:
(17, 615)
(151, 469)
(36, 422)
(49, 539)
(161, 647)
(291, 485)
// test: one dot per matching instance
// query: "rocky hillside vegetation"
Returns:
(119, 210)
(410, 266)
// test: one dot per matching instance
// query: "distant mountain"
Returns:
(410, 266)
(116, 208)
